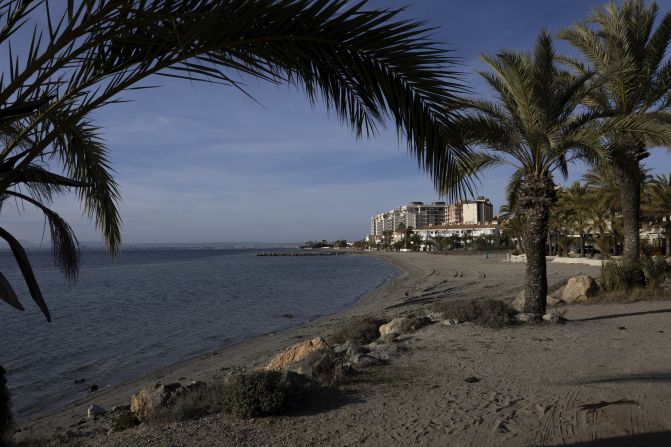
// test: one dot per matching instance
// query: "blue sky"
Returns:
(199, 163)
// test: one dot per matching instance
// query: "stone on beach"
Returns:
(148, 400)
(399, 326)
(579, 289)
(95, 410)
(297, 353)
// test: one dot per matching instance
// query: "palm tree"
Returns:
(623, 46)
(578, 199)
(535, 127)
(658, 192)
(367, 66)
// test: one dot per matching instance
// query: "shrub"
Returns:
(194, 404)
(125, 421)
(264, 393)
(490, 313)
(515, 252)
(359, 330)
(5, 407)
(614, 277)
(656, 271)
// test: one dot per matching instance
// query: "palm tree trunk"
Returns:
(668, 236)
(536, 197)
(630, 200)
(582, 243)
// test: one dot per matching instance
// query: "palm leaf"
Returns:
(7, 293)
(27, 271)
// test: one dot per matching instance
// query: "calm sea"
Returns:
(148, 309)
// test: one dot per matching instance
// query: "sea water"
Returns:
(147, 309)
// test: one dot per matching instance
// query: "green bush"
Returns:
(515, 252)
(359, 330)
(614, 277)
(265, 393)
(490, 313)
(656, 271)
(125, 421)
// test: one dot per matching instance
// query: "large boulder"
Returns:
(147, 401)
(297, 353)
(579, 289)
(399, 326)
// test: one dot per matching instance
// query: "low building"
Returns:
(461, 230)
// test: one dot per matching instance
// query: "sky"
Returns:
(204, 163)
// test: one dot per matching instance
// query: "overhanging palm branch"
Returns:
(367, 66)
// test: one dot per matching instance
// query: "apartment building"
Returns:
(420, 215)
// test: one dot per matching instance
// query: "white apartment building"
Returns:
(419, 214)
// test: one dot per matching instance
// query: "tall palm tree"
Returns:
(369, 66)
(658, 192)
(533, 126)
(623, 46)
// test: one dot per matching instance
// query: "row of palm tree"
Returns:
(608, 108)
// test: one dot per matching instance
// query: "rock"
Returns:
(518, 302)
(435, 316)
(557, 293)
(472, 379)
(365, 360)
(297, 352)
(324, 367)
(450, 322)
(78, 381)
(146, 401)
(527, 317)
(95, 410)
(579, 288)
(552, 301)
(399, 326)
(554, 317)
(93, 388)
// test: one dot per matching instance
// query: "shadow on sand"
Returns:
(324, 400)
(631, 314)
(640, 440)
(661, 376)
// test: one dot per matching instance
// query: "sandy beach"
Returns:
(601, 379)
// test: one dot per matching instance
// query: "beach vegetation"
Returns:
(615, 276)
(360, 330)
(194, 404)
(485, 312)
(125, 421)
(265, 393)
(626, 47)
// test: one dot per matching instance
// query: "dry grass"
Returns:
(358, 330)
(632, 296)
(489, 313)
